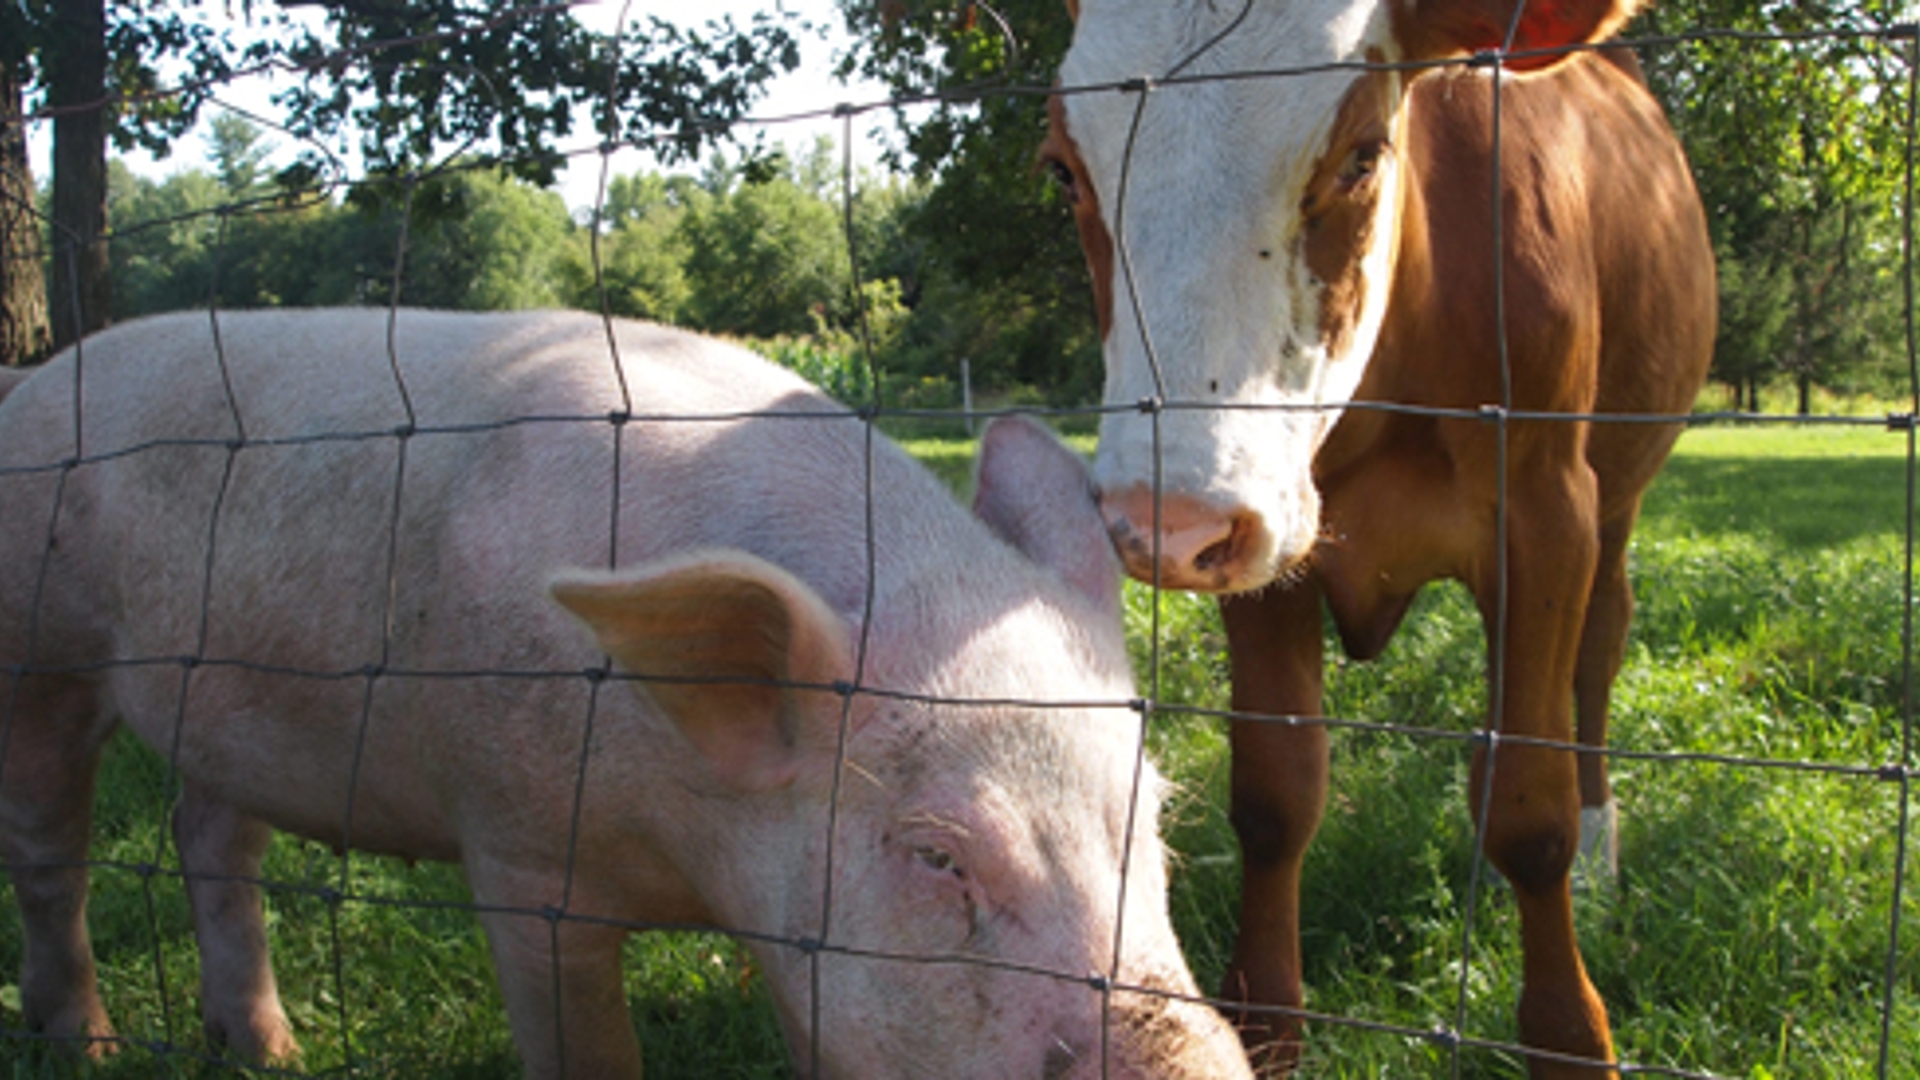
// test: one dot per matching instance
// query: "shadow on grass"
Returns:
(1800, 502)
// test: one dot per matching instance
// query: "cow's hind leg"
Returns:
(51, 734)
(220, 854)
(1603, 645)
(1279, 793)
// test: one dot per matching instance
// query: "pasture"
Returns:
(1746, 936)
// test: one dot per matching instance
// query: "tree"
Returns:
(414, 81)
(24, 334)
(765, 258)
(998, 277)
(93, 64)
(1797, 146)
(641, 249)
(238, 149)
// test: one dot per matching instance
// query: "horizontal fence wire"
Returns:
(339, 889)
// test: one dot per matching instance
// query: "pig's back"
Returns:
(297, 524)
(440, 463)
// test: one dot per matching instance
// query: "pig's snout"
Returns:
(1153, 1034)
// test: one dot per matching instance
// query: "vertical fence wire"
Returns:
(1488, 744)
(1902, 770)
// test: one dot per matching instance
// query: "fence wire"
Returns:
(341, 889)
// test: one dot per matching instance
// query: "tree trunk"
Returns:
(24, 336)
(76, 79)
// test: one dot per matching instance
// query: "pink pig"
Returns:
(313, 557)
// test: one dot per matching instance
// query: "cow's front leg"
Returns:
(1279, 793)
(1530, 793)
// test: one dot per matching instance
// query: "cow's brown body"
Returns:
(1609, 301)
(1244, 235)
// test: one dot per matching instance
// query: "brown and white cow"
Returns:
(1268, 250)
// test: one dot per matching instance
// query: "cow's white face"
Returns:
(1248, 235)
(1242, 233)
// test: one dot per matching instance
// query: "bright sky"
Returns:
(811, 88)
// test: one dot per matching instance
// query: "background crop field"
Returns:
(1747, 935)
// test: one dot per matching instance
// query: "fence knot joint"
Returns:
(619, 417)
(1099, 982)
(1895, 773)
(1149, 406)
(1141, 84)
(1905, 31)
(1444, 1037)
(1486, 58)
(1900, 421)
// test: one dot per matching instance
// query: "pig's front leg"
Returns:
(220, 852)
(561, 982)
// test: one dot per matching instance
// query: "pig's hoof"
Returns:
(264, 1038)
(85, 1028)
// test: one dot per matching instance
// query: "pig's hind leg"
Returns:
(220, 854)
(51, 734)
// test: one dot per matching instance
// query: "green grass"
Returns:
(1746, 937)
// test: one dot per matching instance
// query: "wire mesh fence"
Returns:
(380, 948)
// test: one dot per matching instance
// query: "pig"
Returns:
(590, 609)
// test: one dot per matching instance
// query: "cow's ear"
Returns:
(1437, 29)
(1035, 493)
(739, 654)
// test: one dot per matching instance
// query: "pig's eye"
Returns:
(939, 861)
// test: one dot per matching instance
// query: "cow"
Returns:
(635, 627)
(1335, 372)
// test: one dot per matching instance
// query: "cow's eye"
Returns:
(1362, 162)
(1062, 175)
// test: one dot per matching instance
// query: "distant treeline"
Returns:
(754, 247)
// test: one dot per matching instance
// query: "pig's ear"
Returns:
(1035, 493)
(730, 645)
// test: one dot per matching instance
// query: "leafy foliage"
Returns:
(506, 84)
(1797, 140)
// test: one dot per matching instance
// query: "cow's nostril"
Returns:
(1227, 553)
(1215, 555)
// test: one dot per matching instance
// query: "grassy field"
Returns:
(1747, 936)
